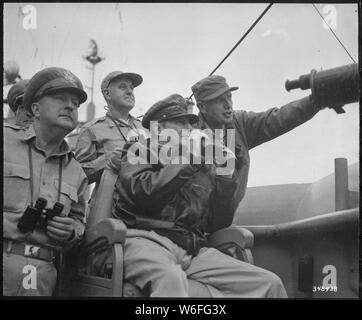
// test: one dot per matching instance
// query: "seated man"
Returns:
(168, 209)
(100, 140)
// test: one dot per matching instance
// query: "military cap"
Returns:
(172, 107)
(51, 79)
(210, 88)
(16, 94)
(135, 78)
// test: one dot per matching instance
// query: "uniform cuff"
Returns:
(76, 236)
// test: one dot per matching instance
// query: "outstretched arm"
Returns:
(260, 127)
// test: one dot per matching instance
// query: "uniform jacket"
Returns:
(97, 139)
(254, 128)
(46, 179)
(173, 197)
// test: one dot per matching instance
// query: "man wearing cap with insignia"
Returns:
(168, 208)
(214, 100)
(15, 96)
(101, 139)
(44, 186)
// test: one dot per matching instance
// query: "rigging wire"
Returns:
(345, 49)
(14, 47)
(118, 9)
(241, 39)
(53, 37)
(97, 17)
(118, 14)
(36, 54)
(15, 40)
(70, 28)
(36, 51)
(236, 45)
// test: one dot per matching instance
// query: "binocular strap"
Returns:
(118, 127)
(32, 175)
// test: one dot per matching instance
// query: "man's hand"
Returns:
(115, 159)
(60, 228)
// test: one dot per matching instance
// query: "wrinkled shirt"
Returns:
(254, 128)
(45, 184)
(98, 138)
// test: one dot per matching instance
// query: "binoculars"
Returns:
(38, 216)
(331, 88)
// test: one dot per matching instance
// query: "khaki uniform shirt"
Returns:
(45, 184)
(98, 138)
(255, 128)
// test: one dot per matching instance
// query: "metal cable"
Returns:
(236, 45)
(68, 33)
(345, 49)
(15, 40)
(241, 39)
(253, 25)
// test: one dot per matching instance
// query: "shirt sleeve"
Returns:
(261, 127)
(91, 158)
(77, 212)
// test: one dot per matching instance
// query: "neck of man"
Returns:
(119, 113)
(212, 124)
(48, 139)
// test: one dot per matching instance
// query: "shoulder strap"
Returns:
(117, 125)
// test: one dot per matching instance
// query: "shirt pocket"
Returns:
(68, 195)
(16, 187)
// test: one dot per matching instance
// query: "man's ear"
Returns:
(106, 94)
(35, 110)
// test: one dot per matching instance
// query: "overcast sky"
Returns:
(174, 45)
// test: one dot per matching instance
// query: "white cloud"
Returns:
(278, 32)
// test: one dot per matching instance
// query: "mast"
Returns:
(93, 58)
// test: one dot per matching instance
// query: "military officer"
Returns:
(41, 177)
(214, 101)
(168, 208)
(100, 140)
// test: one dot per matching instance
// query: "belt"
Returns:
(185, 239)
(29, 250)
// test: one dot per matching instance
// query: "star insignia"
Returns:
(69, 77)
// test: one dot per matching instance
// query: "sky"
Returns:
(174, 45)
